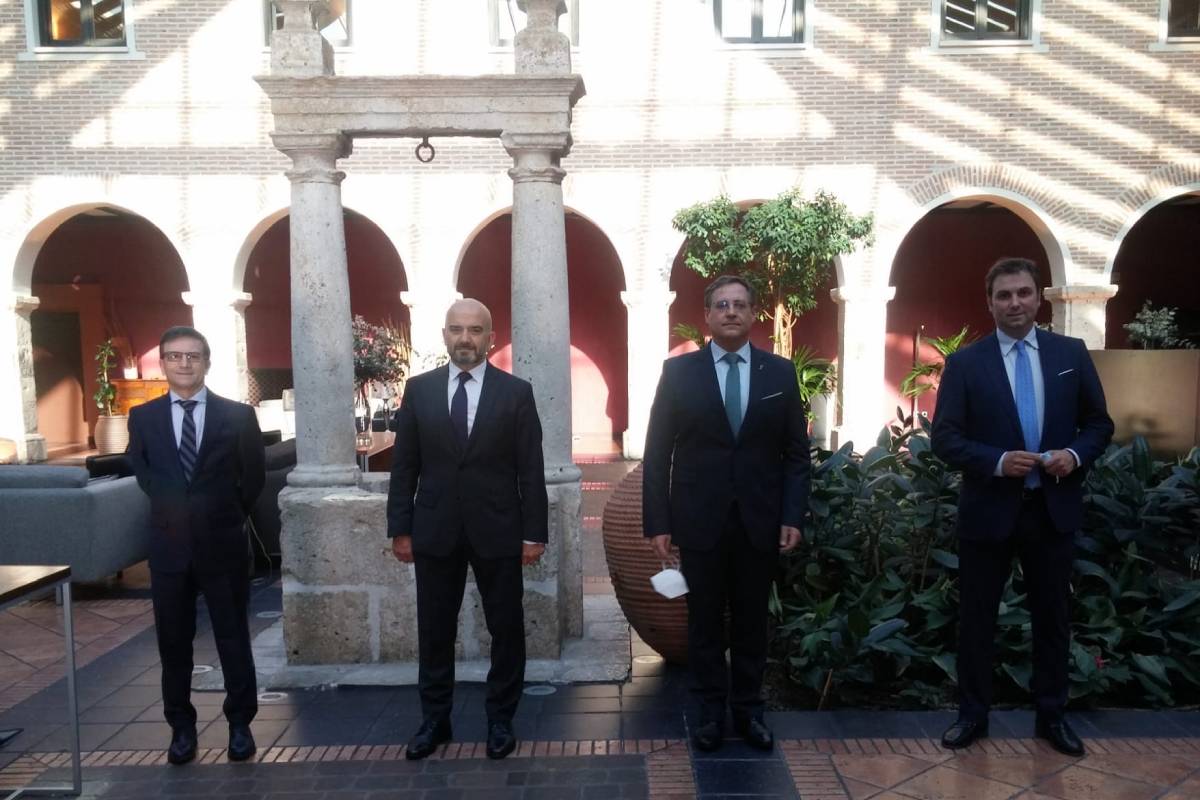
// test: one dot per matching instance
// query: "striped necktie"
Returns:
(187, 439)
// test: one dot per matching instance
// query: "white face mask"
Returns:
(670, 583)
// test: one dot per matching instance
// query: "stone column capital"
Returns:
(648, 297)
(1080, 293)
(314, 155)
(536, 155)
(847, 295)
(19, 303)
(234, 300)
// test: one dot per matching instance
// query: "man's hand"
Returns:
(1061, 463)
(661, 545)
(531, 553)
(789, 538)
(1018, 463)
(402, 548)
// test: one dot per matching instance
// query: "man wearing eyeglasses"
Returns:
(200, 459)
(725, 478)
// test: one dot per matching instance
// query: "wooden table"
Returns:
(378, 458)
(17, 585)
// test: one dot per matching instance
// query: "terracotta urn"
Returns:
(111, 433)
(661, 623)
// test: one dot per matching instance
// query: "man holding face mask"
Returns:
(726, 477)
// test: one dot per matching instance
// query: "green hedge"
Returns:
(867, 608)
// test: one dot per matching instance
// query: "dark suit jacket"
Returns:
(694, 468)
(199, 523)
(494, 490)
(976, 421)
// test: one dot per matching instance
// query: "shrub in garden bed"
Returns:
(867, 609)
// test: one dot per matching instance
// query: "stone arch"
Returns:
(1164, 183)
(1020, 191)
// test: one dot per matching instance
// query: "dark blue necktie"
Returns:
(1027, 409)
(187, 439)
(733, 391)
(458, 409)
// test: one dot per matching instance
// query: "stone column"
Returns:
(222, 320)
(322, 343)
(1079, 311)
(649, 342)
(18, 400)
(862, 329)
(541, 348)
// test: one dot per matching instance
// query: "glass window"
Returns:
(985, 19)
(759, 21)
(335, 26)
(1183, 19)
(505, 19)
(81, 23)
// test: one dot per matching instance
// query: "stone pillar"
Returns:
(541, 347)
(322, 343)
(18, 400)
(1079, 311)
(298, 50)
(222, 320)
(540, 48)
(862, 329)
(649, 342)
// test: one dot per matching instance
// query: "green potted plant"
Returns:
(817, 378)
(381, 356)
(1153, 390)
(112, 430)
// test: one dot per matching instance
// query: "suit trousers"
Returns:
(440, 585)
(1046, 556)
(227, 595)
(732, 575)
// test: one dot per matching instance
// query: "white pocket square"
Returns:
(1065, 371)
(768, 397)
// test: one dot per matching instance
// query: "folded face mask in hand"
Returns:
(670, 583)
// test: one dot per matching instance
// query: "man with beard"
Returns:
(468, 487)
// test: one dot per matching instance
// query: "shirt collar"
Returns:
(1007, 342)
(719, 352)
(200, 396)
(476, 371)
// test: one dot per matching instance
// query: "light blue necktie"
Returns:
(733, 391)
(1027, 409)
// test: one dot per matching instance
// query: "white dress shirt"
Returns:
(473, 388)
(201, 398)
(743, 372)
(1008, 352)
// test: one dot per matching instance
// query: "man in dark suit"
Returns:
(1021, 412)
(725, 478)
(468, 487)
(200, 459)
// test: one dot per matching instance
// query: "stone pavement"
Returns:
(604, 740)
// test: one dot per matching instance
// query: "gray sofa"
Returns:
(56, 515)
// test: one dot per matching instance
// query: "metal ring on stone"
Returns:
(425, 151)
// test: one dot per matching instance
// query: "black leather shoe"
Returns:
(1061, 737)
(241, 743)
(707, 736)
(427, 738)
(501, 740)
(755, 732)
(963, 732)
(183, 745)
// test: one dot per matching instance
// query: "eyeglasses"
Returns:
(736, 305)
(175, 357)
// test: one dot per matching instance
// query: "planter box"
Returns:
(1155, 394)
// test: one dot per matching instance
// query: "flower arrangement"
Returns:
(381, 355)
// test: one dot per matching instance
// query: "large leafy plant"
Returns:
(106, 392)
(381, 354)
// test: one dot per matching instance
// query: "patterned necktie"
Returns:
(187, 439)
(733, 391)
(458, 409)
(1027, 409)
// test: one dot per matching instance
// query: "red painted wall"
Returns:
(376, 280)
(142, 275)
(599, 327)
(939, 278)
(1159, 261)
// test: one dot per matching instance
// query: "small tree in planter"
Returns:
(112, 432)
(784, 248)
